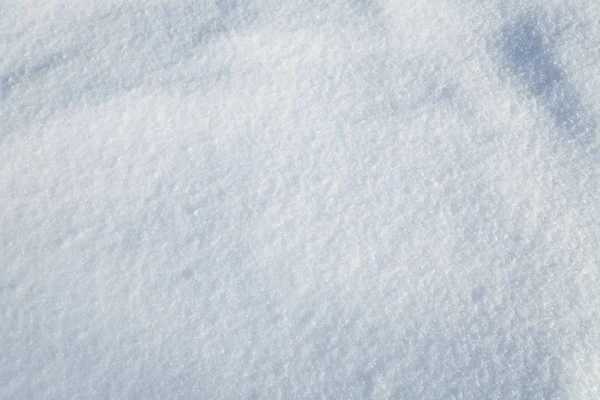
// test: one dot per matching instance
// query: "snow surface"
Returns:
(300, 199)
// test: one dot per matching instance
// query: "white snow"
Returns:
(300, 199)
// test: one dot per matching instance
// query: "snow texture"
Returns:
(300, 199)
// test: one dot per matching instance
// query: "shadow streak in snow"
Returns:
(529, 56)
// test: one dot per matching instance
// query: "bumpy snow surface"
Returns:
(300, 199)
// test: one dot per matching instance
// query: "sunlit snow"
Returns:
(343, 199)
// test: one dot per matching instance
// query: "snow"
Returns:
(300, 199)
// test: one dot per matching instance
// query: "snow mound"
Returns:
(299, 199)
